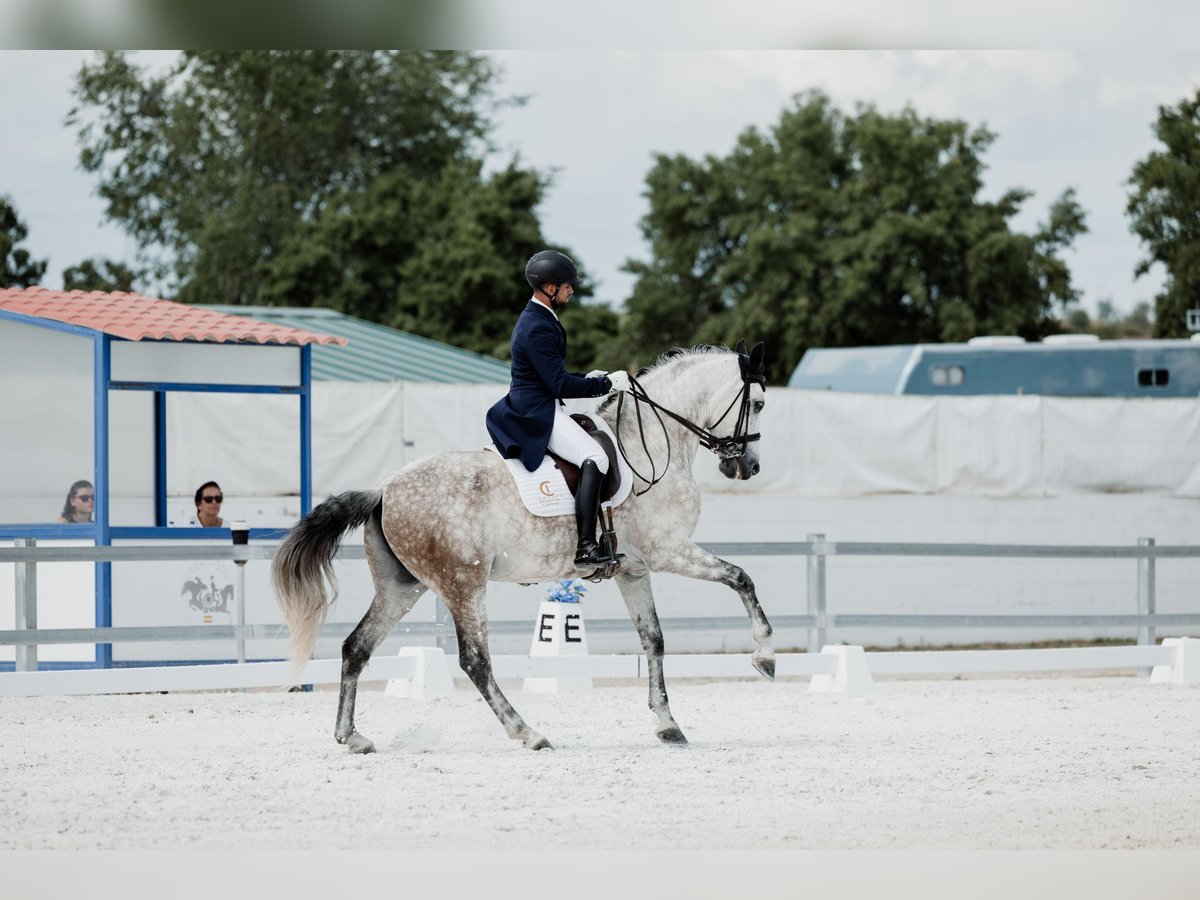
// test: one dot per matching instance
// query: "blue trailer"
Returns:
(1073, 365)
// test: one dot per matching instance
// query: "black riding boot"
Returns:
(588, 554)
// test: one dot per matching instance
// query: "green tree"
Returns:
(215, 165)
(833, 229)
(99, 275)
(440, 258)
(346, 179)
(1164, 207)
(1109, 324)
(17, 267)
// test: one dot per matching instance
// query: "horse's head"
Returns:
(714, 394)
(738, 423)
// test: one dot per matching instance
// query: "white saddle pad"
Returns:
(544, 490)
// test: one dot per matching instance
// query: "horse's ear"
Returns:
(756, 356)
(740, 347)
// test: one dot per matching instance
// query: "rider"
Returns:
(528, 421)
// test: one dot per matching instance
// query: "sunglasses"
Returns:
(85, 498)
(220, 498)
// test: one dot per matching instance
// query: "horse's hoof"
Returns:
(539, 743)
(672, 735)
(765, 665)
(356, 743)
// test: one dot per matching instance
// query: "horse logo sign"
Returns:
(207, 598)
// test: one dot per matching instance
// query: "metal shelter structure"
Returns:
(377, 352)
(157, 346)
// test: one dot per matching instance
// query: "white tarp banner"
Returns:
(990, 446)
(246, 442)
(1105, 445)
(864, 443)
(441, 417)
(814, 444)
(360, 436)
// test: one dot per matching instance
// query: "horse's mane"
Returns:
(676, 357)
(683, 355)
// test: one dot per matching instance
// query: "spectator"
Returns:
(208, 505)
(80, 504)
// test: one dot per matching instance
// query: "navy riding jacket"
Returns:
(520, 424)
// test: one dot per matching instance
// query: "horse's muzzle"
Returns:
(738, 468)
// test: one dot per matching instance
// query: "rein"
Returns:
(731, 447)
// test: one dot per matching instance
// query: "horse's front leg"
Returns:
(639, 600)
(694, 562)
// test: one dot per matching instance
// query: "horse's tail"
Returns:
(304, 562)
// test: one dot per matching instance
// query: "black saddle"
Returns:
(570, 471)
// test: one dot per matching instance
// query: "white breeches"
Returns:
(572, 443)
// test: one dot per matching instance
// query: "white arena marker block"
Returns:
(1185, 669)
(558, 631)
(853, 675)
(430, 679)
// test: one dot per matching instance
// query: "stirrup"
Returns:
(602, 573)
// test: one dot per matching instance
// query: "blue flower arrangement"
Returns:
(568, 590)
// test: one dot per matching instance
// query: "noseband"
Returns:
(730, 447)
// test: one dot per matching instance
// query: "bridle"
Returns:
(730, 447)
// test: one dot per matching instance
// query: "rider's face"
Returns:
(565, 291)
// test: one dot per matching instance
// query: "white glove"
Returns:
(619, 380)
(596, 373)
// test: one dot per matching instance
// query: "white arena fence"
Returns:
(839, 668)
(833, 668)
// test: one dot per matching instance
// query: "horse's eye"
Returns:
(758, 405)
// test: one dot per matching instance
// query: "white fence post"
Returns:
(852, 675)
(1146, 592)
(26, 608)
(816, 592)
(431, 676)
(1186, 667)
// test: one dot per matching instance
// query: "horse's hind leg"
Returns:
(396, 590)
(470, 623)
(639, 600)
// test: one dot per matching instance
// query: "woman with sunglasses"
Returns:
(80, 505)
(208, 505)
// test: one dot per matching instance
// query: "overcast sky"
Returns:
(1063, 118)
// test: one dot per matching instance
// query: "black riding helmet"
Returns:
(551, 267)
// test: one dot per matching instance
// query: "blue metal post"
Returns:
(305, 429)
(306, 439)
(160, 459)
(102, 374)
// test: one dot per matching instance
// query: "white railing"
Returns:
(818, 620)
(837, 668)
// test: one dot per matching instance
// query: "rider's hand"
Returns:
(596, 373)
(619, 380)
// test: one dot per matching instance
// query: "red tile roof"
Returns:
(137, 318)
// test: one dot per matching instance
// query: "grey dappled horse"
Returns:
(454, 521)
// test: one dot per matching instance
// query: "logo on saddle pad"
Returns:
(544, 491)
